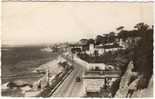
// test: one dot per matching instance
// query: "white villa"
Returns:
(101, 49)
(91, 49)
(93, 66)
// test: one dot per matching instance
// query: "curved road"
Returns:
(71, 88)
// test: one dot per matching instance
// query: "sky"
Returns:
(52, 22)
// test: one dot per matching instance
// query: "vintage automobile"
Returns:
(78, 79)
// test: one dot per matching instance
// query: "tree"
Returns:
(143, 55)
(123, 34)
(111, 37)
(90, 41)
(141, 26)
(100, 39)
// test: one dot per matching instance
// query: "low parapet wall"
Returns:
(81, 62)
(87, 65)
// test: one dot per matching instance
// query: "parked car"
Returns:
(78, 79)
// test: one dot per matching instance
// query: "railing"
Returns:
(49, 90)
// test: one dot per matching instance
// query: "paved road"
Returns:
(71, 88)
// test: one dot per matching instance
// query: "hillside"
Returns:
(124, 87)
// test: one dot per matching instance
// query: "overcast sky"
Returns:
(47, 22)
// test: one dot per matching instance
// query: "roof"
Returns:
(93, 85)
(90, 88)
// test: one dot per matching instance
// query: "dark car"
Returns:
(78, 79)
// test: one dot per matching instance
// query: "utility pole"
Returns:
(48, 77)
(72, 58)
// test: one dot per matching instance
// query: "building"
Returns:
(75, 48)
(95, 81)
(96, 76)
(91, 49)
(107, 47)
(96, 66)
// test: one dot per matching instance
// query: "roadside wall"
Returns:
(87, 65)
(81, 62)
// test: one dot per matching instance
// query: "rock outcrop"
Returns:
(124, 87)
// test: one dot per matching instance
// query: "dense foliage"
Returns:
(139, 50)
